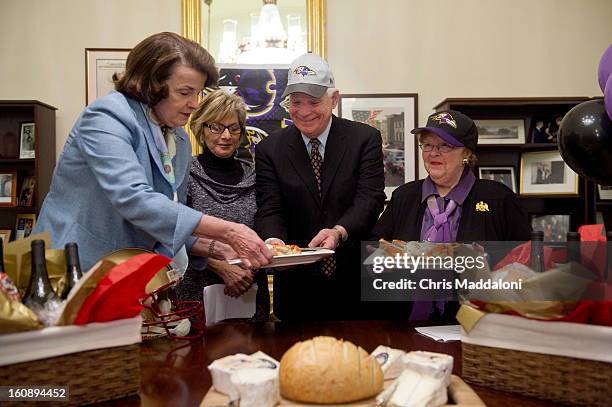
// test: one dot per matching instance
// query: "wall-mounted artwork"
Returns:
(394, 115)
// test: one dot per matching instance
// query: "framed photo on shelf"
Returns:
(27, 140)
(555, 227)
(100, 65)
(605, 192)
(501, 131)
(545, 130)
(8, 187)
(5, 236)
(505, 175)
(24, 224)
(26, 196)
(545, 173)
(394, 115)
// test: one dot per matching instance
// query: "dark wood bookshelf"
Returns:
(582, 207)
(12, 114)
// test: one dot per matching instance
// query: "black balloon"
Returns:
(585, 141)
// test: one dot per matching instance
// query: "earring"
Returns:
(465, 161)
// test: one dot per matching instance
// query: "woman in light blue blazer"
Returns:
(122, 176)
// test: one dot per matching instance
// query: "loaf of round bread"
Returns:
(326, 370)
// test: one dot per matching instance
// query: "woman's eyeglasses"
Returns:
(442, 148)
(218, 128)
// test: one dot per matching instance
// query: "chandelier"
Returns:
(268, 42)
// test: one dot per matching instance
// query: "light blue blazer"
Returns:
(108, 190)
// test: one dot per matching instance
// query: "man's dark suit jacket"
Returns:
(289, 208)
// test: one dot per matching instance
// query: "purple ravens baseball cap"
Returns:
(310, 74)
(453, 127)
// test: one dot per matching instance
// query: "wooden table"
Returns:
(174, 372)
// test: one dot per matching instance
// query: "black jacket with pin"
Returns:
(505, 219)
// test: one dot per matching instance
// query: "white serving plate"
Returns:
(306, 257)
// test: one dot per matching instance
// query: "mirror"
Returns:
(258, 73)
(232, 32)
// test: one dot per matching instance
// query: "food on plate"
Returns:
(438, 365)
(390, 361)
(256, 387)
(283, 249)
(327, 370)
(417, 248)
(414, 389)
(422, 378)
(222, 370)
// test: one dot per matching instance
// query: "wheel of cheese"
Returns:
(326, 370)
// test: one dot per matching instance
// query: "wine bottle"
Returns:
(39, 290)
(73, 269)
(537, 251)
(573, 247)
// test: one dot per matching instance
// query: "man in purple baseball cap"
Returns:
(451, 204)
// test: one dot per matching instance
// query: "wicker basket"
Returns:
(92, 376)
(561, 379)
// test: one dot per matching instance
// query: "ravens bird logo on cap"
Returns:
(304, 71)
(445, 118)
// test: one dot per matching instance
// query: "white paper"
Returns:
(218, 306)
(445, 333)
(582, 341)
(62, 340)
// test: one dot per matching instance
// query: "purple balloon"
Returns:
(605, 68)
(608, 97)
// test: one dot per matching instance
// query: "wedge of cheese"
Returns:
(438, 365)
(390, 361)
(222, 369)
(257, 387)
(415, 389)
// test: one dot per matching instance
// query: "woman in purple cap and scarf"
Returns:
(451, 204)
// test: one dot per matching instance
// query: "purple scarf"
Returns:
(440, 231)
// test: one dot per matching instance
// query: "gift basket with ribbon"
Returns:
(552, 339)
(90, 341)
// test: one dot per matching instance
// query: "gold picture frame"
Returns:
(544, 173)
(191, 23)
(191, 28)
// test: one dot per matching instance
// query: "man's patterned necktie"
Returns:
(328, 266)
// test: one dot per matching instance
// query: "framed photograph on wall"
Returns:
(394, 115)
(100, 65)
(8, 187)
(545, 173)
(605, 192)
(24, 224)
(555, 227)
(505, 175)
(501, 131)
(27, 140)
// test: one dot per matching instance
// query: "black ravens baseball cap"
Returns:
(453, 127)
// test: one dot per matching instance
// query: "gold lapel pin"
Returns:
(482, 207)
